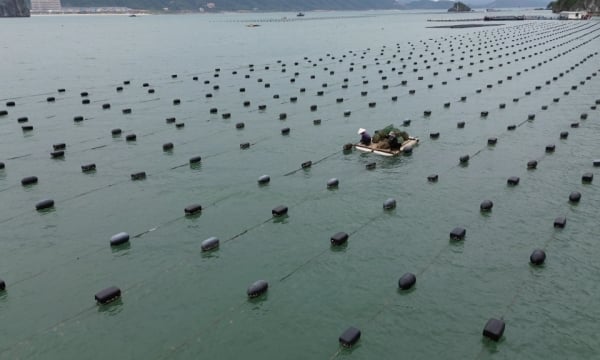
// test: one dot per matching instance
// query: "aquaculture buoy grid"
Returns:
(293, 166)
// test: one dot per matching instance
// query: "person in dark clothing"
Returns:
(365, 138)
(393, 141)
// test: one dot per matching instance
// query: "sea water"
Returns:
(178, 302)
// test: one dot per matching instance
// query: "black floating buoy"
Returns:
(564, 134)
(349, 337)
(486, 205)
(213, 110)
(116, 132)
(264, 179)
(170, 120)
(44, 204)
(29, 180)
(306, 164)
(84, 94)
(210, 244)
(176, 101)
(57, 154)
(458, 233)
(108, 295)
(317, 122)
(531, 117)
(280, 210)
(10, 104)
(313, 108)
(407, 281)
(464, 159)
(372, 104)
(596, 162)
(138, 176)
(347, 147)
(460, 124)
(27, 128)
(192, 209)
(427, 113)
(106, 106)
(583, 116)
(394, 98)
(262, 107)
(494, 329)
(513, 180)
(285, 131)
(59, 146)
(371, 165)
(240, 125)
(484, 114)
(339, 238)
(226, 115)
(48, 99)
(167, 146)
(560, 222)
(150, 91)
(88, 167)
(537, 257)
(550, 148)
(587, 178)
(119, 88)
(389, 204)
(2, 285)
(347, 113)
(2, 166)
(434, 135)
(332, 183)
(23, 119)
(244, 145)
(195, 160)
(282, 116)
(532, 164)
(432, 178)
(78, 118)
(131, 137)
(257, 288)
(406, 122)
(119, 239)
(126, 111)
(575, 196)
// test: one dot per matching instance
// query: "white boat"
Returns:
(374, 147)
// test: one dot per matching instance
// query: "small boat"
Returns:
(374, 147)
(252, 25)
(300, 14)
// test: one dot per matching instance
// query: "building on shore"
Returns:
(45, 6)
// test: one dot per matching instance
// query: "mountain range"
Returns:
(297, 5)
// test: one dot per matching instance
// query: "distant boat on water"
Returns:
(300, 14)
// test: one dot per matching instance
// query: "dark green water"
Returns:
(178, 302)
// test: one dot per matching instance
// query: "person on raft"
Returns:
(393, 141)
(365, 138)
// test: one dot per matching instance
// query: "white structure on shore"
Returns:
(45, 6)
(573, 15)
